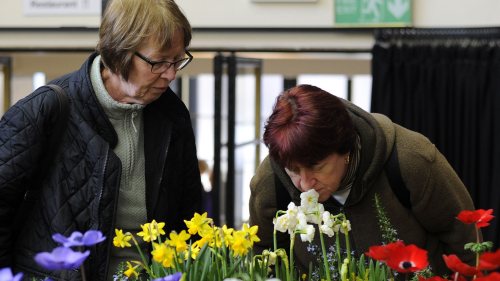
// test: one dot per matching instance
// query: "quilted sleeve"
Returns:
(21, 144)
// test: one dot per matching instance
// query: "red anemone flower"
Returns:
(406, 258)
(479, 217)
(489, 260)
(379, 253)
(456, 265)
(494, 276)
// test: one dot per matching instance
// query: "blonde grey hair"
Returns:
(128, 24)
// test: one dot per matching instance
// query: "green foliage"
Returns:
(388, 232)
(479, 248)
(120, 272)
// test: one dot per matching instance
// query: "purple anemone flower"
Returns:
(90, 238)
(6, 275)
(61, 258)
(173, 277)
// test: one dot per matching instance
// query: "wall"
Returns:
(244, 13)
(11, 15)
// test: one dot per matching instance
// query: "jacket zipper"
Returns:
(114, 212)
(134, 114)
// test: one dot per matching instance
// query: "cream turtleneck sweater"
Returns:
(131, 210)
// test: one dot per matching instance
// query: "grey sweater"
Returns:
(131, 210)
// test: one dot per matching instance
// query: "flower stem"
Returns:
(142, 256)
(347, 243)
(83, 272)
(274, 234)
(325, 260)
(292, 242)
(337, 242)
(81, 265)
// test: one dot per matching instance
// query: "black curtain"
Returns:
(445, 84)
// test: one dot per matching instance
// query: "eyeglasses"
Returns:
(161, 66)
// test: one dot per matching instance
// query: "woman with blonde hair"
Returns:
(126, 157)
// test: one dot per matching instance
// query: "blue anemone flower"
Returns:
(173, 277)
(6, 275)
(61, 258)
(90, 238)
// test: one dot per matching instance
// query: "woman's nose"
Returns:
(307, 180)
(169, 74)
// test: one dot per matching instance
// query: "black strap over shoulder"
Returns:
(393, 172)
(33, 193)
(59, 127)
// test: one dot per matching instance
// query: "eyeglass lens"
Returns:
(161, 67)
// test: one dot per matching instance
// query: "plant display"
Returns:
(222, 253)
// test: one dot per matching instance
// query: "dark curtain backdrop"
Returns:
(445, 84)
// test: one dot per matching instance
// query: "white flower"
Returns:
(313, 218)
(282, 223)
(292, 213)
(327, 219)
(302, 221)
(345, 224)
(327, 230)
(308, 200)
(336, 228)
(309, 236)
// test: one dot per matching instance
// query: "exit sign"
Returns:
(372, 13)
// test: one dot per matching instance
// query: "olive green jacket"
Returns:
(437, 196)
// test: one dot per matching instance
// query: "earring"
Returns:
(347, 160)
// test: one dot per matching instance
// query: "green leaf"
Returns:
(310, 271)
(469, 246)
(206, 262)
(189, 260)
(361, 267)
(488, 244)
(352, 267)
(382, 274)
(371, 267)
(233, 267)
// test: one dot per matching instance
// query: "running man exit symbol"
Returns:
(372, 13)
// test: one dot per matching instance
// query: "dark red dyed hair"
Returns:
(307, 125)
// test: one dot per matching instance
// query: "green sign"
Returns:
(372, 13)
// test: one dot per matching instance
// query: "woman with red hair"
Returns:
(319, 141)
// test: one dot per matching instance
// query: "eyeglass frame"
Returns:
(189, 58)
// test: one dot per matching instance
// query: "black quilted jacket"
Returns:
(81, 187)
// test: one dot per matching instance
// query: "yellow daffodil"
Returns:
(151, 231)
(121, 240)
(198, 224)
(226, 233)
(252, 232)
(208, 238)
(178, 240)
(240, 243)
(164, 254)
(195, 250)
(131, 270)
